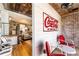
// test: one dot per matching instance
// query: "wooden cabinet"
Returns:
(13, 28)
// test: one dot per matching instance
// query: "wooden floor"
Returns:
(23, 49)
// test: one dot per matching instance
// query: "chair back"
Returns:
(47, 48)
(61, 39)
(48, 51)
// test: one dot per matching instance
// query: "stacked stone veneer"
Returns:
(70, 27)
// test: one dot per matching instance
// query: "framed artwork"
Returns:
(49, 23)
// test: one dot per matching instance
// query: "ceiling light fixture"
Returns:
(66, 5)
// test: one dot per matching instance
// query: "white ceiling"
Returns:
(20, 18)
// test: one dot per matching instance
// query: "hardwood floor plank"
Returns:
(22, 49)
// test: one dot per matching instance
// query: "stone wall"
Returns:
(70, 27)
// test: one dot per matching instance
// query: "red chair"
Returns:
(61, 41)
(48, 50)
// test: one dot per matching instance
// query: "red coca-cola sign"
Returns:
(49, 23)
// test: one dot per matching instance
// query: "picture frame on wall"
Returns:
(49, 23)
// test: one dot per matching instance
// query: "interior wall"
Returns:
(51, 37)
(70, 27)
(1, 6)
(4, 22)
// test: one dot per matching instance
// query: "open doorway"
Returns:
(16, 29)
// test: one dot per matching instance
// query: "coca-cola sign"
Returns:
(49, 23)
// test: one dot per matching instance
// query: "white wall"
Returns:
(39, 34)
(1, 6)
(4, 19)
